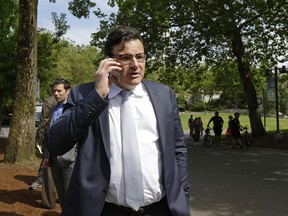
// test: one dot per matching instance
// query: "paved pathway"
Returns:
(236, 182)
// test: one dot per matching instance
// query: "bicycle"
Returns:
(208, 139)
(246, 139)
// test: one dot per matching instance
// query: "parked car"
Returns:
(38, 114)
(6, 120)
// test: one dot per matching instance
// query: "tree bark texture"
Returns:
(21, 140)
(250, 92)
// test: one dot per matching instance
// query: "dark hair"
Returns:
(120, 34)
(61, 81)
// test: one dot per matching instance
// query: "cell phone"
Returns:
(115, 74)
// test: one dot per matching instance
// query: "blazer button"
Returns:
(104, 191)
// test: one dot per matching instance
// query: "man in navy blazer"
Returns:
(92, 119)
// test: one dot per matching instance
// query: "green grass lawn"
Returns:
(244, 120)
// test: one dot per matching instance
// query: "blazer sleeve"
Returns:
(180, 147)
(82, 109)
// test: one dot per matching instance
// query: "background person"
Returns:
(201, 126)
(37, 183)
(93, 121)
(197, 129)
(217, 126)
(235, 128)
(229, 129)
(191, 125)
(62, 165)
(48, 187)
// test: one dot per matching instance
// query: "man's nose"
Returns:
(134, 63)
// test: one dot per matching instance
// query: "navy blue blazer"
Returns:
(85, 121)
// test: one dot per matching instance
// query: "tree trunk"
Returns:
(21, 138)
(244, 70)
(1, 105)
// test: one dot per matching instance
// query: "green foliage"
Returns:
(48, 49)
(60, 23)
(74, 63)
(283, 94)
(187, 31)
(199, 106)
(8, 49)
(58, 58)
(8, 42)
(81, 8)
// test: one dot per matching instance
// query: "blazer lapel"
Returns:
(104, 127)
(156, 103)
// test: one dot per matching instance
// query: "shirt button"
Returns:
(105, 191)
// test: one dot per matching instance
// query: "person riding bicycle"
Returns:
(235, 129)
(217, 126)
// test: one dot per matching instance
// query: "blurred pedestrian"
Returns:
(191, 126)
(229, 129)
(201, 127)
(217, 126)
(197, 129)
(235, 128)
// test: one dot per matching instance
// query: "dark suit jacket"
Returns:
(86, 121)
(48, 109)
(44, 123)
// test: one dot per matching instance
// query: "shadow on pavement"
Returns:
(237, 182)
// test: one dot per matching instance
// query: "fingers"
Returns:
(107, 73)
(108, 67)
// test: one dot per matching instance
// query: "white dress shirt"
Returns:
(148, 144)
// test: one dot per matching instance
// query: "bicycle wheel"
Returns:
(246, 141)
(208, 141)
(249, 141)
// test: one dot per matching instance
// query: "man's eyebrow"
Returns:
(129, 54)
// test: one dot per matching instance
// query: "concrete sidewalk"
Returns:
(237, 182)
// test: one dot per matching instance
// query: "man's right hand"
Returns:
(103, 76)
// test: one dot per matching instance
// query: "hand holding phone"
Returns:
(108, 72)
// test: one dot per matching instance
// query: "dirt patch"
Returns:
(15, 198)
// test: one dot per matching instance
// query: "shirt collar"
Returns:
(115, 90)
(62, 104)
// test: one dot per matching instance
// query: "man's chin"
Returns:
(128, 85)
